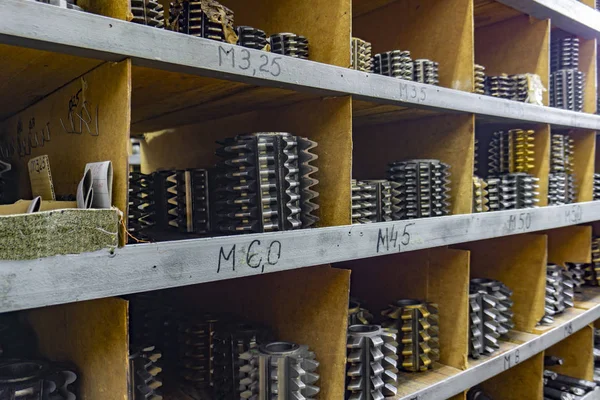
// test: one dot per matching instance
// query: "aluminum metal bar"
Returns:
(569, 15)
(145, 267)
(44, 27)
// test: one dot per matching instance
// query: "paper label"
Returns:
(41, 178)
(102, 180)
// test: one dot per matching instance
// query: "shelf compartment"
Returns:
(585, 154)
(418, 275)
(569, 244)
(489, 12)
(541, 164)
(438, 31)
(92, 335)
(515, 46)
(560, 319)
(588, 298)
(325, 121)
(98, 105)
(308, 306)
(520, 263)
(577, 354)
(523, 381)
(446, 138)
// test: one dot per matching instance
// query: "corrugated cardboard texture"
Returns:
(306, 306)
(29, 75)
(585, 156)
(326, 121)
(107, 92)
(488, 12)
(569, 244)
(520, 263)
(110, 8)
(449, 138)
(438, 275)
(541, 163)
(163, 99)
(523, 381)
(587, 64)
(515, 46)
(93, 336)
(440, 30)
(576, 350)
(49, 233)
(325, 23)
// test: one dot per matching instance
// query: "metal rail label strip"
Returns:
(87, 35)
(152, 266)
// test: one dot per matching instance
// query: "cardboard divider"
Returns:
(441, 31)
(460, 396)
(541, 163)
(109, 8)
(515, 46)
(93, 336)
(327, 121)
(523, 381)
(576, 350)
(588, 53)
(307, 306)
(520, 263)
(589, 3)
(84, 121)
(584, 156)
(570, 244)
(438, 275)
(448, 138)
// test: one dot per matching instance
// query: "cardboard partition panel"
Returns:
(306, 306)
(448, 138)
(590, 3)
(515, 46)
(84, 121)
(109, 8)
(520, 263)
(541, 163)
(93, 336)
(460, 396)
(325, 23)
(576, 350)
(587, 64)
(439, 30)
(523, 381)
(327, 121)
(438, 275)
(570, 244)
(584, 155)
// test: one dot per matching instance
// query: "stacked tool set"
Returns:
(418, 325)
(371, 201)
(214, 356)
(211, 20)
(361, 58)
(265, 182)
(490, 315)
(26, 376)
(596, 187)
(559, 292)
(561, 180)
(566, 80)
(371, 362)
(510, 184)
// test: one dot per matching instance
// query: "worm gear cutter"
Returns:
(361, 55)
(145, 372)
(287, 372)
(358, 315)
(148, 12)
(371, 363)
(417, 323)
(371, 201)
(236, 361)
(501, 294)
(484, 326)
(289, 44)
(264, 183)
(420, 188)
(205, 18)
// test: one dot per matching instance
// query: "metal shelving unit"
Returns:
(58, 280)
(87, 35)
